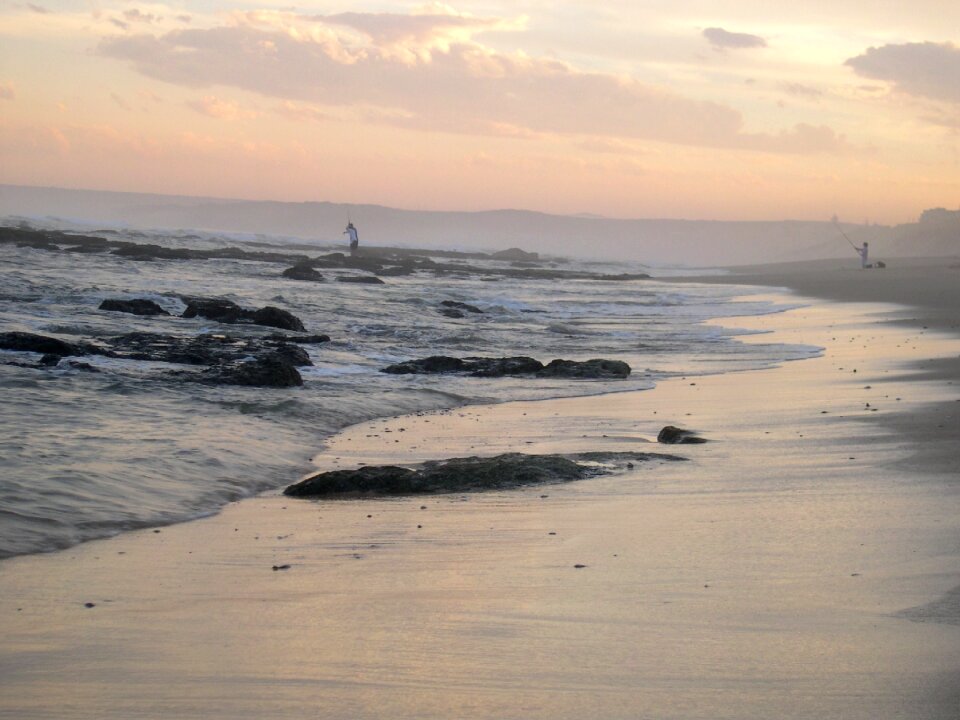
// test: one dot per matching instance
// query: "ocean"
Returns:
(128, 444)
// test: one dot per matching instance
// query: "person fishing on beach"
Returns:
(354, 237)
(863, 251)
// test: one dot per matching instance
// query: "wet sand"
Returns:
(799, 565)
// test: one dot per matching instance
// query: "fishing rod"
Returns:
(840, 230)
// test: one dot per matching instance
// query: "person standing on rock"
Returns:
(354, 237)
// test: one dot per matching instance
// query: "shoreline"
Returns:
(927, 293)
(770, 566)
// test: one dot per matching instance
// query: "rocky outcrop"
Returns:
(510, 366)
(671, 435)
(303, 271)
(207, 349)
(501, 472)
(137, 306)
(229, 312)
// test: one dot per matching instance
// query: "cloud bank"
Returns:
(426, 72)
(927, 69)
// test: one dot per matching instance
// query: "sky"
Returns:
(741, 110)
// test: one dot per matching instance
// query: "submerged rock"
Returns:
(137, 306)
(512, 366)
(461, 306)
(671, 435)
(500, 472)
(270, 371)
(361, 279)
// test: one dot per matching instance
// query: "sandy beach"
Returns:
(804, 563)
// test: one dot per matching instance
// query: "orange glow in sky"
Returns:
(691, 109)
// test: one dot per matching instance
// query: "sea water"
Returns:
(89, 454)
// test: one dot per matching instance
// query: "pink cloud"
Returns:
(460, 87)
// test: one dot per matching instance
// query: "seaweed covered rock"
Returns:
(500, 472)
(137, 306)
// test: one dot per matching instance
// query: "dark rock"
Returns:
(300, 339)
(465, 474)
(671, 435)
(593, 369)
(230, 313)
(461, 306)
(451, 313)
(499, 367)
(29, 342)
(303, 271)
(293, 354)
(269, 371)
(521, 365)
(156, 252)
(224, 311)
(206, 349)
(361, 279)
(275, 317)
(85, 249)
(138, 306)
(515, 254)
(432, 364)
(49, 360)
